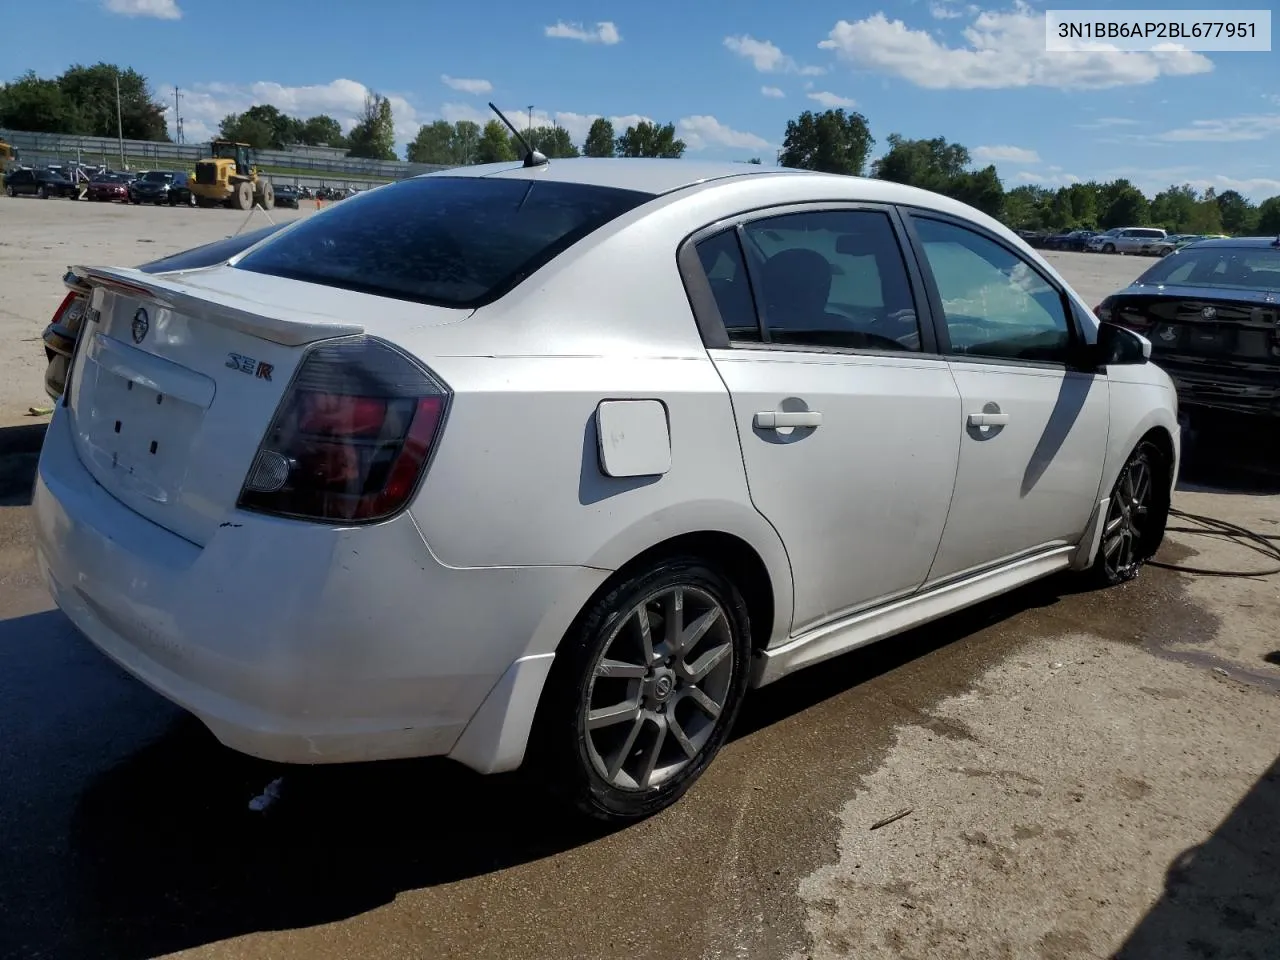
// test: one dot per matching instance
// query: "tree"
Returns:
(1027, 207)
(600, 139)
(979, 188)
(928, 164)
(551, 142)
(647, 139)
(494, 145)
(244, 128)
(41, 106)
(831, 141)
(1123, 205)
(451, 144)
(1269, 217)
(1173, 208)
(1239, 215)
(321, 130)
(374, 136)
(754, 160)
(92, 93)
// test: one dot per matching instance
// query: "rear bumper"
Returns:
(1226, 390)
(301, 643)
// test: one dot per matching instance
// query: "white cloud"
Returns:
(205, 104)
(1002, 50)
(1107, 122)
(1226, 130)
(465, 85)
(160, 9)
(829, 99)
(699, 132)
(774, 93)
(767, 57)
(577, 124)
(604, 32)
(1005, 154)
(1051, 180)
(941, 11)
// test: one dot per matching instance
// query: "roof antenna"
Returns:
(532, 158)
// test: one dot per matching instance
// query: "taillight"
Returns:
(352, 438)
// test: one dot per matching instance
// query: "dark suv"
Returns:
(38, 183)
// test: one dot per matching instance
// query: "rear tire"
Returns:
(1137, 512)
(43, 193)
(632, 713)
(1108, 248)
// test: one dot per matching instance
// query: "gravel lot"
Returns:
(1087, 774)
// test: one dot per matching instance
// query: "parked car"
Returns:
(1124, 239)
(151, 186)
(37, 183)
(286, 195)
(1212, 313)
(107, 187)
(180, 194)
(1072, 240)
(557, 462)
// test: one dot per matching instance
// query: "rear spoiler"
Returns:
(291, 330)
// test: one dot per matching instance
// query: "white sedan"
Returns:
(550, 463)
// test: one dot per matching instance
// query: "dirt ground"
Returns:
(1083, 774)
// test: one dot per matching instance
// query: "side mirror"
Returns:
(1117, 344)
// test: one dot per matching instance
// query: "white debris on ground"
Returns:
(267, 797)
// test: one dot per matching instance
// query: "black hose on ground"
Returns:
(1266, 544)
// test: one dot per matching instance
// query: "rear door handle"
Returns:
(778, 419)
(988, 419)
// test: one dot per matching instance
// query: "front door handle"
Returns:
(779, 419)
(988, 419)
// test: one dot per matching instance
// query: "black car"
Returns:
(151, 187)
(180, 194)
(1212, 313)
(286, 195)
(37, 183)
(1071, 240)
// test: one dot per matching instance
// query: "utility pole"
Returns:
(177, 114)
(530, 127)
(119, 121)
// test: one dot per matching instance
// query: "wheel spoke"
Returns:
(618, 713)
(1112, 543)
(615, 766)
(703, 700)
(1113, 525)
(677, 731)
(646, 632)
(621, 670)
(691, 634)
(651, 757)
(673, 617)
(695, 672)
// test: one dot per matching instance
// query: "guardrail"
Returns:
(33, 147)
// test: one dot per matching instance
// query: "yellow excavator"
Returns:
(229, 177)
(7, 154)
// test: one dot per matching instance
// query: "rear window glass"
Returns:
(1245, 268)
(447, 241)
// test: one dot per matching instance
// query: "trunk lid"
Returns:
(176, 379)
(1200, 325)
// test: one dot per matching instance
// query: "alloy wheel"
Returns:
(661, 682)
(1127, 517)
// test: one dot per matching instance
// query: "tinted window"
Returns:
(994, 303)
(833, 278)
(722, 262)
(220, 251)
(1245, 268)
(449, 241)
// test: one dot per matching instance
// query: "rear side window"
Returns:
(447, 241)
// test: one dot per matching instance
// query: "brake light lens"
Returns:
(352, 438)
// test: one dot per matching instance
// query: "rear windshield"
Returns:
(1243, 268)
(448, 241)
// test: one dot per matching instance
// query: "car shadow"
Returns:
(1222, 897)
(1229, 457)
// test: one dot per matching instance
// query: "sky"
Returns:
(729, 75)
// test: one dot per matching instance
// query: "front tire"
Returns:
(1108, 248)
(644, 690)
(1136, 516)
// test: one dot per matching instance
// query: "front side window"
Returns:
(832, 278)
(994, 303)
(449, 241)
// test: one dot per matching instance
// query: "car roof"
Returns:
(645, 174)
(1246, 242)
